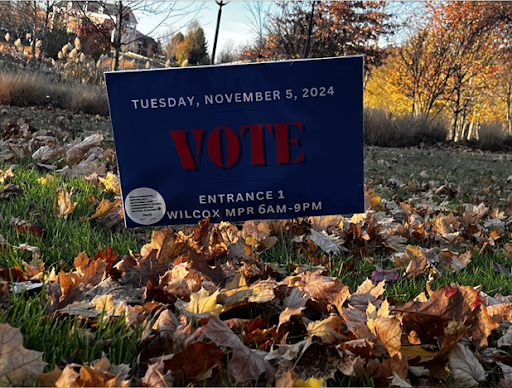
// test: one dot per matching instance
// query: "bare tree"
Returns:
(119, 14)
(258, 24)
(229, 52)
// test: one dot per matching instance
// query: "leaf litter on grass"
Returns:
(216, 312)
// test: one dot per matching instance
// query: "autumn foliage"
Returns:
(453, 65)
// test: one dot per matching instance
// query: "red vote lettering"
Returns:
(231, 147)
(180, 141)
(282, 141)
(256, 133)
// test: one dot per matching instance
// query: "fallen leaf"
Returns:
(259, 292)
(196, 360)
(312, 382)
(466, 370)
(500, 269)
(23, 226)
(452, 333)
(67, 378)
(10, 190)
(49, 379)
(104, 207)
(325, 242)
(111, 183)
(168, 244)
(44, 153)
(76, 152)
(18, 366)
(245, 364)
(5, 175)
(155, 376)
(66, 207)
(203, 302)
(384, 275)
(326, 329)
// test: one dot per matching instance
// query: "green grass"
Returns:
(63, 238)
(63, 337)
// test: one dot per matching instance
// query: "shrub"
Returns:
(491, 136)
(21, 89)
(387, 130)
(89, 99)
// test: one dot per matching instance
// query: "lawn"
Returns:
(415, 291)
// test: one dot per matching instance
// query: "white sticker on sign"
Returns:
(145, 206)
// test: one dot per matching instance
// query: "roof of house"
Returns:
(96, 6)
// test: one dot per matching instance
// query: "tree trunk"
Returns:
(34, 34)
(509, 109)
(117, 36)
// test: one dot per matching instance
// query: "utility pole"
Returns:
(221, 4)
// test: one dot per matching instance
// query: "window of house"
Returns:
(100, 9)
(70, 4)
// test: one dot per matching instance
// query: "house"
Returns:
(102, 14)
(146, 46)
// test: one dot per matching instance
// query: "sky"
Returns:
(234, 25)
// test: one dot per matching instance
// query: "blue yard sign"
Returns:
(238, 142)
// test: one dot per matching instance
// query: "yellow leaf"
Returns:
(326, 329)
(111, 183)
(104, 207)
(45, 180)
(312, 382)
(202, 302)
(5, 175)
(66, 207)
(413, 351)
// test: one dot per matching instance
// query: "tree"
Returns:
(338, 28)
(258, 23)
(55, 38)
(229, 52)
(121, 12)
(93, 39)
(194, 47)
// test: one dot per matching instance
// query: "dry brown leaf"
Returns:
(382, 373)
(322, 362)
(286, 378)
(49, 379)
(18, 366)
(259, 292)
(389, 330)
(196, 360)
(465, 368)
(417, 263)
(91, 271)
(452, 333)
(245, 364)
(326, 329)
(168, 244)
(319, 287)
(453, 261)
(66, 207)
(428, 319)
(155, 376)
(67, 378)
(75, 153)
